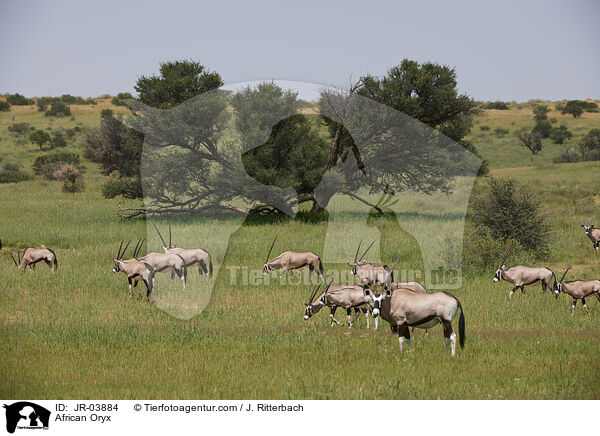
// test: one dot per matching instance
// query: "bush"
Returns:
(573, 107)
(128, 187)
(495, 105)
(46, 166)
(510, 211)
(542, 128)
(589, 146)
(71, 177)
(19, 100)
(12, 173)
(58, 109)
(58, 140)
(484, 127)
(117, 101)
(39, 137)
(540, 112)
(19, 128)
(106, 113)
(4, 106)
(560, 134)
(499, 131)
(43, 103)
(532, 141)
(566, 157)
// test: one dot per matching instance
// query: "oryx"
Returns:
(413, 286)
(135, 269)
(162, 262)
(291, 260)
(578, 290)
(191, 257)
(368, 274)
(345, 296)
(32, 256)
(521, 276)
(593, 234)
(403, 308)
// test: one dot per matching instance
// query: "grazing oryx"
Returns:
(191, 257)
(347, 297)
(521, 276)
(593, 234)
(134, 269)
(578, 290)
(370, 275)
(291, 260)
(403, 308)
(167, 262)
(32, 256)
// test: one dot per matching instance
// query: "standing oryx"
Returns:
(291, 260)
(593, 234)
(370, 275)
(167, 262)
(521, 276)
(191, 256)
(347, 297)
(403, 308)
(135, 269)
(32, 256)
(578, 290)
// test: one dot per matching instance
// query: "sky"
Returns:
(501, 50)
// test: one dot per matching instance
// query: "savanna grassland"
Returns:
(76, 334)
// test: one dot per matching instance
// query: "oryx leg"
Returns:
(449, 337)
(349, 316)
(172, 277)
(512, 291)
(573, 307)
(149, 286)
(366, 312)
(180, 275)
(129, 280)
(332, 315)
(403, 334)
(584, 306)
(135, 289)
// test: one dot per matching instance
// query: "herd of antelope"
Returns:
(402, 304)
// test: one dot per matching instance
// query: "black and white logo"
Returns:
(26, 415)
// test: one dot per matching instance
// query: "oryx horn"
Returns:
(271, 249)
(13, 258)
(313, 293)
(161, 238)
(395, 263)
(505, 254)
(357, 249)
(364, 254)
(138, 247)
(119, 251)
(563, 276)
(169, 235)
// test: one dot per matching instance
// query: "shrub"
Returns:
(106, 113)
(510, 211)
(540, 112)
(495, 105)
(19, 128)
(542, 128)
(43, 103)
(58, 109)
(71, 177)
(117, 101)
(532, 141)
(58, 140)
(484, 127)
(39, 137)
(573, 107)
(128, 187)
(4, 106)
(499, 131)
(47, 165)
(560, 134)
(566, 157)
(19, 100)
(12, 173)
(589, 146)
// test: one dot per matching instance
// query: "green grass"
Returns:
(76, 334)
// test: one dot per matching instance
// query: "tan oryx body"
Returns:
(191, 257)
(291, 260)
(403, 308)
(347, 297)
(162, 262)
(33, 256)
(368, 274)
(578, 290)
(521, 276)
(593, 234)
(413, 286)
(135, 270)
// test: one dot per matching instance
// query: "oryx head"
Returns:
(501, 266)
(588, 227)
(376, 300)
(119, 257)
(312, 308)
(360, 261)
(165, 246)
(557, 286)
(266, 266)
(18, 260)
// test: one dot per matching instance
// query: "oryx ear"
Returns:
(388, 293)
(366, 291)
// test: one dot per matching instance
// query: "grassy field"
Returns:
(76, 334)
